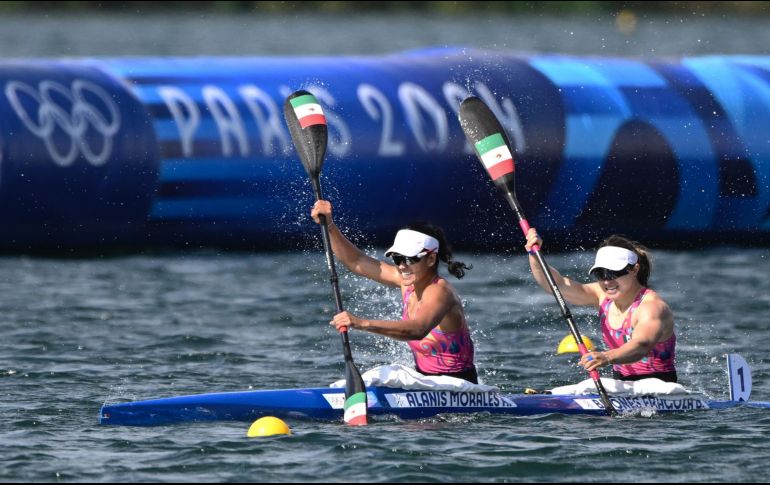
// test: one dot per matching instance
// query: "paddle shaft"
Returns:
(511, 198)
(332, 269)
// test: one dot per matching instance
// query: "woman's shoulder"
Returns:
(651, 295)
(441, 288)
(653, 304)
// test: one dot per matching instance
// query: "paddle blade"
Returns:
(307, 125)
(488, 139)
(355, 396)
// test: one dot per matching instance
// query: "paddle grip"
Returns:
(333, 278)
(525, 229)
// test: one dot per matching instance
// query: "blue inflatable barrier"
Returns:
(79, 159)
(191, 152)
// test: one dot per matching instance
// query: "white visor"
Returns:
(613, 258)
(411, 243)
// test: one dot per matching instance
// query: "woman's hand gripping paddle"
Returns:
(309, 133)
(487, 136)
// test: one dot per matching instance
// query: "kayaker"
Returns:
(433, 320)
(637, 324)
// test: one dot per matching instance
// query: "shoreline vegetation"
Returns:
(432, 7)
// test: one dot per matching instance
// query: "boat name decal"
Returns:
(429, 399)
(646, 402)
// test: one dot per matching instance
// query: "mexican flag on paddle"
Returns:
(307, 110)
(495, 155)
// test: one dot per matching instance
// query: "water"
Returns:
(204, 33)
(81, 332)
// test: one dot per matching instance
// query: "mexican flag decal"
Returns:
(355, 409)
(308, 110)
(495, 156)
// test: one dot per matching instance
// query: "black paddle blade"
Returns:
(489, 141)
(355, 396)
(307, 125)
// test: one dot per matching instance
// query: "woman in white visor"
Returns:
(637, 325)
(433, 320)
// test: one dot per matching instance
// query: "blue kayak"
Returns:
(327, 404)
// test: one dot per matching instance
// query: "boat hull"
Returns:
(327, 404)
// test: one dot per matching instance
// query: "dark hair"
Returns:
(456, 268)
(645, 263)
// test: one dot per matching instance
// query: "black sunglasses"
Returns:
(602, 274)
(399, 259)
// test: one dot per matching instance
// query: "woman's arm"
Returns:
(348, 254)
(573, 292)
(435, 304)
(654, 323)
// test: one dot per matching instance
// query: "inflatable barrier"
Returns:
(136, 152)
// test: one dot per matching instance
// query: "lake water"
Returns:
(82, 332)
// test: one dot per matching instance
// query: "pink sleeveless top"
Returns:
(440, 352)
(660, 358)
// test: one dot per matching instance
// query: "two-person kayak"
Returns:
(327, 403)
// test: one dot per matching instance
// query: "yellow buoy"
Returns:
(268, 426)
(568, 344)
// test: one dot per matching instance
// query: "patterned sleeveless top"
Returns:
(440, 352)
(660, 358)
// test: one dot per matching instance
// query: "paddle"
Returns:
(488, 138)
(309, 133)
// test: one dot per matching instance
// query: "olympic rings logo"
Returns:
(72, 113)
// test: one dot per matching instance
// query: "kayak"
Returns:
(326, 403)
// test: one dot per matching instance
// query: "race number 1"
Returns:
(740, 378)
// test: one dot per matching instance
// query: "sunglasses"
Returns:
(399, 259)
(602, 274)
